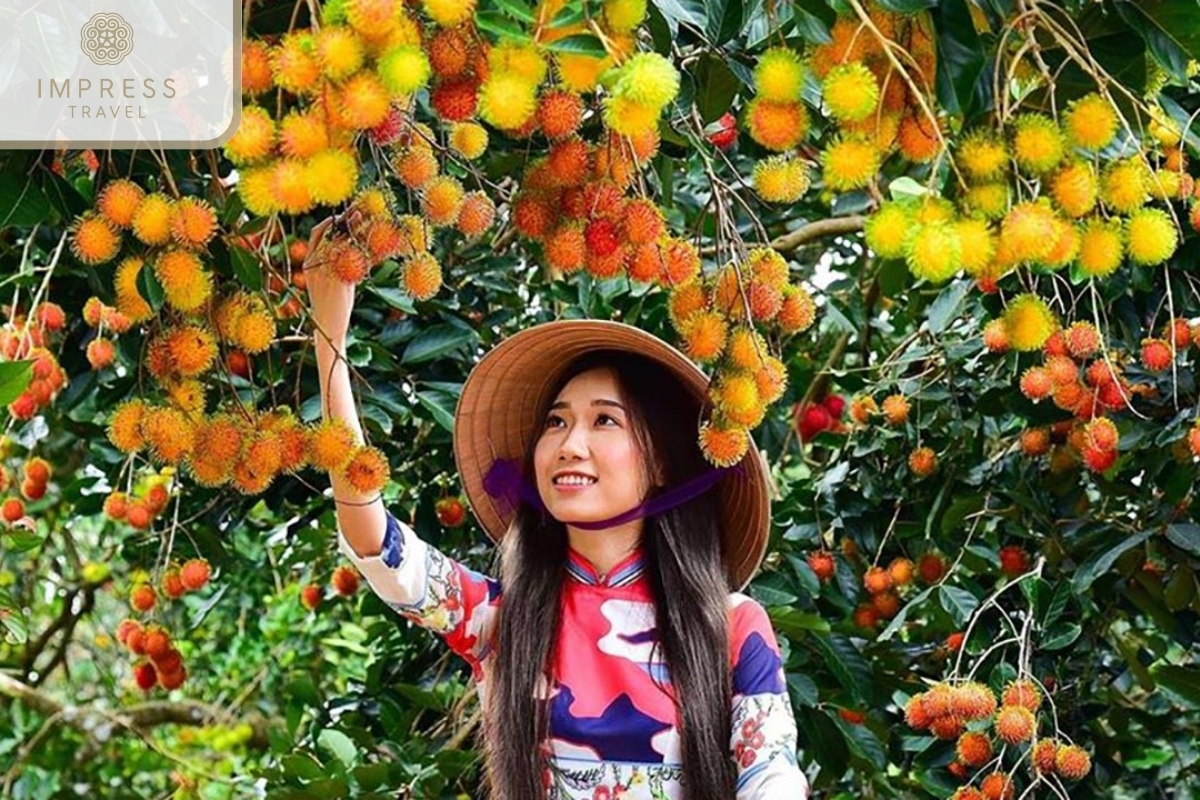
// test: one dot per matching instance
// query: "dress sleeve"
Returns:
(763, 740)
(433, 590)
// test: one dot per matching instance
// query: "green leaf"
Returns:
(797, 624)
(803, 689)
(435, 342)
(23, 201)
(813, 19)
(1185, 535)
(149, 287)
(1168, 26)
(302, 767)
(441, 406)
(907, 6)
(946, 308)
(517, 10)
(14, 379)
(724, 19)
(716, 87)
(1062, 637)
(341, 745)
(962, 71)
(897, 622)
(687, 12)
(497, 23)
(959, 603)
(863, 743)
(12, 620)
(1102, 562)
(845, 662)
(1183, 682)
(22, 541)
(583, 44)
(246, 268)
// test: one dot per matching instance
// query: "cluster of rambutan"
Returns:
(818, 417)
(344, 583)
(139, 507)
(718, 317)
(28, 338)
(159, 662)
(35, 478)
(883, 587)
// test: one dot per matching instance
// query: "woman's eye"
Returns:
(607, 417)
(553, 418)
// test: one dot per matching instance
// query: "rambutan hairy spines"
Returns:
(779, 75)
(559, 113)
(94, 239)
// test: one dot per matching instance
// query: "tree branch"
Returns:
(833, 226)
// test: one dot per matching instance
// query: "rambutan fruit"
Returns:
(1061, 369)
(1178, 332)
(922, 462)
(422, 276)
(1029, 322)
(745, 350)
(723, 445)
(559, 113)
(1101, 247)
(1125, 186)
(704, 335)
(125, 426)
(771, 378)
(736, 397)
(1165, 185)
(331, 445)
(94, 240)
(997, 786)
(629, 117)
(779, 75)
(887, 230)
(1015, 724)
(294, 63)
(186, 284)
(1072, 762)
(601, 237)
(850, 92)
(685, 300)
(974, 748)
(1075, 188)
(1157, 355)
(192, 349)
(776, 126)
(995, 336)
(982, 156)
(118, 200)
(331, 176)
(532, 216)
(1090, 122)
(642, 222)
(648, 79)
(862, 409)
(1065, 245)
(468, 139)
(441, 199)
(565, 248)
(142, 597)
(101, 352)
(917, 714)
(449, 13)
(347, 261)
(568, 163)
(254, 139)
(507, 100)
(1102, 434)
(989, 200)
(193, 223)
(476, 214)
(254, 331)
(449, 51)
(302, 134)
(339, 51)
(363, 101)
(933, 252)
(1023, 693)
(849, 162)
(919, 138)
(168, 434)
(1038, 144)
(257, 76)
(1083, 340)
(1027, 232)
(1042, 755)
(152, 220)
(1098, 460)
(367, 470)
(404, 70)
(1035, 442)
(681, 261)
(415, 166)
(947, 728)
(456, 99)
(1151, 237)
(895, 409)
(780, 179)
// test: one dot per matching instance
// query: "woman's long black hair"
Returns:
(687, 577)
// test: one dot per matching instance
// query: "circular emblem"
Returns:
(106, 38)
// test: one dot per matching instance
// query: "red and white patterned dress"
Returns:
(613, 728)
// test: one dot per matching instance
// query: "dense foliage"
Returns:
(984, 448)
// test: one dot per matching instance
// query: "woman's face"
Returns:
(587, 461)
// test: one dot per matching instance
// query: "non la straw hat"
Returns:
(499, 409)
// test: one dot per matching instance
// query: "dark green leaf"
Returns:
(23, 202)
(716, 87)
(948, 305)
(1185, 535)
(863, 743)
(1171, 31)
(340, 745)
(1061, 637)
(441, 406)
(581, 44)
(1102, 561)
(149, 287)
(803, 689)
(962, 68)
(813, 19)
(14, 379)
(517, 10)
(959, 603)
(907, 6)
(725, 19)
(498, 24)
(1183, 682)
(435, 342)
(246, 268)
(845, 662)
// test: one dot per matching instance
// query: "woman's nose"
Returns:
(574, 444)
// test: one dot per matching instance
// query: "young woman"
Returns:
(614, 655)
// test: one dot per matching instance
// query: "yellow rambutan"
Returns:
(331, 176)
(685, 300)
(723, 446)
(1038, 144)
(129, 299)
(624, 16)
(771, 379)
(422, 276)
(125, 426)
(290, 186)
(254, 331)
(934, 251)
(629, 117)
(779, 75)
(1029, 322)
(745, 350)
(507, 100)
(780, 179)
(919, 138)
(449, 13)
(989, 200)
(255, 188)
(1027, 232)
(364, 101)
(94, 240)
(152, 219)
(519, 59)
(931, 209)
(982, 156)
(295, 65)
(193, 223)
(704, 335)
(1065, 248)
(440, 200)
(1166, 185)
(187, 395)
(887, 230)
(851, 92)
(192, 350)
(254, 139)
(1090, 122)
(1075, 188)
(118, 201)
(303, 134)
(736, 398)
(331, 445)
(404, 70)
(1150, 236)
(1125, 186)
(339, 51)
(647, 78)
(798, 311)
(767, 266)
(559, 113)
(1101, 247)
(257, 76)
(168, 433)
(476, 214)
(579, 72)
(776, 126)
(978, 245)
(849, 162)
(468, 139)
(186, 284)
(367, 470)
(228, 311)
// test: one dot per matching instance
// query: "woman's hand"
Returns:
(330, 298)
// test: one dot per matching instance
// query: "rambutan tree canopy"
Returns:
(937, 255)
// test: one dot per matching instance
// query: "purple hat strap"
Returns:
(505, 483)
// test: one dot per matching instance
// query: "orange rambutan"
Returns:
(922, 462)
(125, 426)
(1024, 693)
(422, 276)
(642, 221)
(294, 63)
(1027, 232)
(776, 126)
(303, 134)
(118, 200)
(254, 331)
(1035, 442)
(1042, 755)
(568, 163)
(974, 748)
(565, 248)
(450, 51)
(1157, 355)
(193, 223)
(919, 138)
(736, 397)
(559, 113)
(347, 261)
(186, 284)
(1038, 144)
(995, 336)
(331, 445)
(997, 786)
(1015, 724)
(1102, 434)
(1072, 762)
(363, 101)
(192, 350)
(532, 215)
(685, 300)
(1083, 340)
(94, 240)
(1090, 122)
(849, 162)
(441, 199)
(254, 139)
(1101, 247)
(895, 409)
(415, 166)
(152, 220)
(745, 350)
(168, 433)
(476, 214)
(257, 76)
(468, 139)
(455, 100)
(1075, 188)
(723, 445)
(339, 51)
(367, 470)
